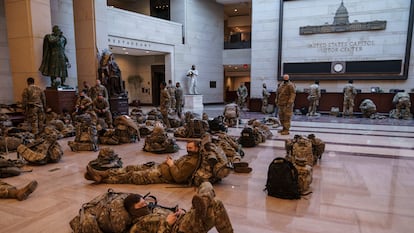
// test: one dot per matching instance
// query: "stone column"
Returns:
(90, 36)
(28, 21)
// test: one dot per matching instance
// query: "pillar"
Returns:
(27, 21)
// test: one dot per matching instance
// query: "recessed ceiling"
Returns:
(134, 52)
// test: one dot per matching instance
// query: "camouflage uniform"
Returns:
(265, 99)
(43, 151)
(214, 215)
(171, 91)
(34, 101)
(349, 96)
(180, 173)
(368, 108)
(403, 105)
(98, 89)
(242, 96)
(304, 174)
(165, 106)
(313, 97)
(285, 99)
(83, 105)
(179, 101)
(10, 191)
(101, 108)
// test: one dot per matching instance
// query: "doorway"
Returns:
(157, 76)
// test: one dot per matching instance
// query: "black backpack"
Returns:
(247, 138)
(282, 179)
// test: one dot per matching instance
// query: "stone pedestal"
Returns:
(193, 103)
(119, 106)
(60, 99)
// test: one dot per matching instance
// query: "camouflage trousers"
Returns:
(348, 106)
(164, 113)
(403, 108)
(179, 107)
(285, 115)
(36, 118)
(4, 189)
(137, 174)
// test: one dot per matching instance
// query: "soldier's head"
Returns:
(264, 85)
(56, 30)
(193, 67)
(286, 78)
(100, 96)
(98, 82)
(351, 81)
(317, 82)
(136, 205)
(30, 81)
(178, 84)
(169, 82)
(82, 93)
(193, 147)
(163, 84)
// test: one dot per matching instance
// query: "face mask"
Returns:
(285, 81)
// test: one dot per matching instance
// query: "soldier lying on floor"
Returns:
(128, 212)
(10, 191)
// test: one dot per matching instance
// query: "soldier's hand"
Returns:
(169, 161)
(171, 218)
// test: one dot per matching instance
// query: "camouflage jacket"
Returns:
(349, 91)
(33, 95)
(182, 170)
(286, 94)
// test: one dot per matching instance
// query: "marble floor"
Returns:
(363, 184)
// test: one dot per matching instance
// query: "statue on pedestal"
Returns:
(54, 61)
(110, 74)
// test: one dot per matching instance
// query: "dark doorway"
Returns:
(158, 75)
(160, 9)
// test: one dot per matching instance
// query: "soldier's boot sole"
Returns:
(243, 169)
(23, 193)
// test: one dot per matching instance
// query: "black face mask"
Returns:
(193, 153)
(82, 97)
(137, 213)
(285, 81)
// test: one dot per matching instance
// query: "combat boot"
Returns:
(243, 169)
(200, 205)
(284, 132)
(23, 193)
(95, 175)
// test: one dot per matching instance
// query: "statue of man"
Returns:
(54, 61)
(193, 74)
(265, 98)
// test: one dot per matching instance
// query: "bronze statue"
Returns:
(110, 74)
(54, 61)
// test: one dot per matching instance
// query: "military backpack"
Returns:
(247, 137)
(282, 179)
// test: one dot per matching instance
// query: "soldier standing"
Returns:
(34, 102)
(313, 97)
(285, 99)
(178, 99)
(349, 96)
(171, 91)
(165, 99)
(265, 98)
(242, 95)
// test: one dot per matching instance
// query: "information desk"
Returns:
(383, 101)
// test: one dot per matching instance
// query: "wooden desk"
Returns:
(59, 100)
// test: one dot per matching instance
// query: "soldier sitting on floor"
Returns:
(231, 114)
(42, 151)
(402, 106)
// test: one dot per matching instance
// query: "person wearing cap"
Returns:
(205, 213)
(83, 104)
(179, 171)
(349, 96)
(285, 99)
(10, 191)
(101, 108)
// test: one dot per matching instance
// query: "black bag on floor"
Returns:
(247, 138)
(282, 179)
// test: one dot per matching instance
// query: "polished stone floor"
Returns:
(363, 184)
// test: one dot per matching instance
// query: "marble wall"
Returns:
(6, 96)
